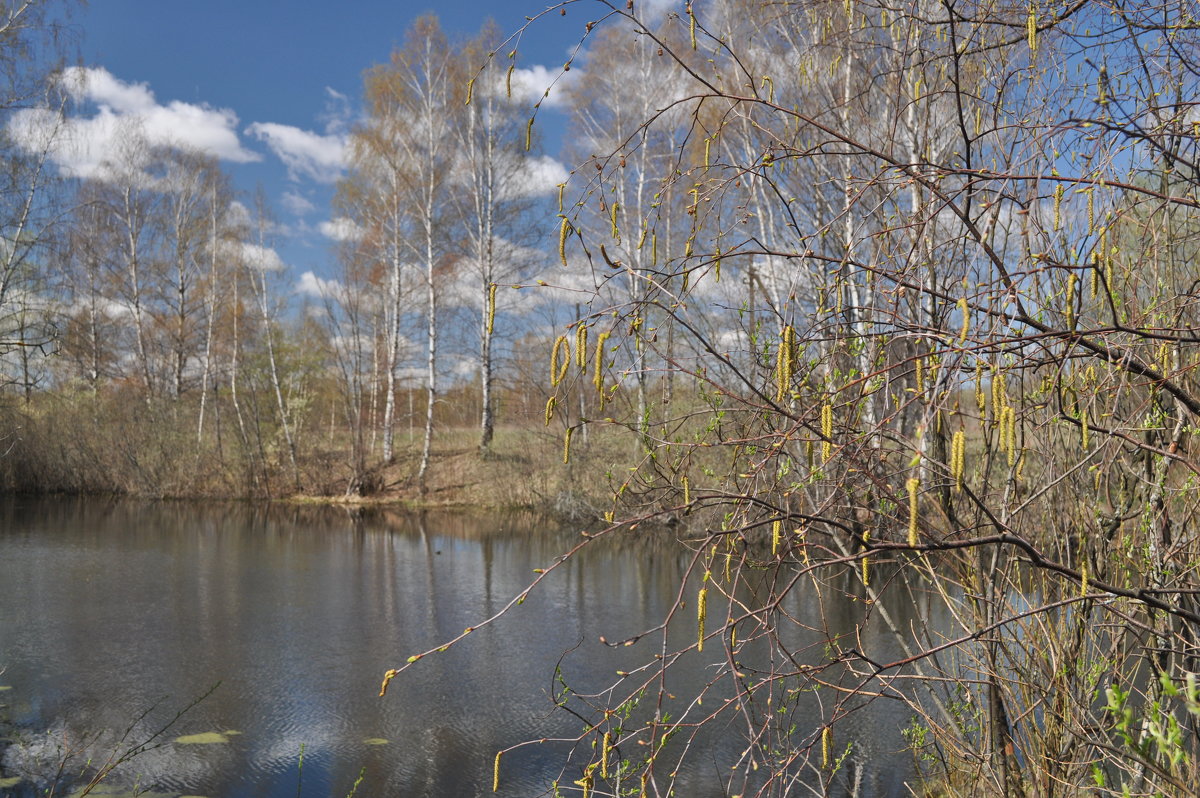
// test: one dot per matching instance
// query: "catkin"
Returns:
(598, 375)
(605, 744)
(1091, 210)
(567, 445)
(1083, 578)
(783, 363)
(561, 188)
(687, 490)
(508, 80)
(560, 361)
(1058, 198)
(980, 396)
(616, 233)
(529, 135)
(1008, 433)
(692, 24)
(826, 746)
(958, 457)
(1085, 431)
(496, 773)
(776, 533)
(965, 310)
(701, 614)
(826, 432)
(913, 485)
(920, 372)
(1031, 28)
(581, 342)
(550, 409)
(563, 230)
(866, 571)
(470, 90)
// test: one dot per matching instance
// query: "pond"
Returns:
(272, 626)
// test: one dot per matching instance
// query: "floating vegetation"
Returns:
(205, 738)
(376, 741)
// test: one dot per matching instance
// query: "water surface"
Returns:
(116, 615)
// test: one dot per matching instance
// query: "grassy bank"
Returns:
(116, 444)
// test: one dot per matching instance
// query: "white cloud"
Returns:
(262, 258)
(536, 177)
(304, 153)
(341, 229)
(319, 288)
(86, 145)
(297, 204)
(530, 84)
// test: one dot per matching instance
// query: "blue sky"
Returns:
(269, 85)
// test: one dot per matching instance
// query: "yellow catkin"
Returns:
(866, 571)
(826, 432)
(728, 567)
(1058, 198)
(491, 317)
(508, 80)
(999, 394)
(529, 135)
(561, 188)
(1084, 430)
(1031, 28)
(1091, 210)
(496, 773)
(826, 746)
(958, 458)
(581, 343)
(701, 615)
(567, 445)
(563, 230)
(920, 372)
(692, 24)
(1021, 466)
(913, 485)
(654, 250)
(687, 490)
(1083, 578)
(605, 745)
(776, 534)
(550, 409)
(470, 90)
(783, 364)
(964, 310)
(1103, 257)
(598, 374)
(560, 359)
(980, 396)
(707, 149)
(1008, 432)
(616, 233)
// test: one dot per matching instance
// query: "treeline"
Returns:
(147, 314)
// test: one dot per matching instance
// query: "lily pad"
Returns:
(376, 741)
(204, 738)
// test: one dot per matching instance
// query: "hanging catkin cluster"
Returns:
(1006, 417)
(785, 362)
(913, 486)
(958, 458)
(581, 343)
(560, 360)
(826, 432)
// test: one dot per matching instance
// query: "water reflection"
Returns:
(115, 609)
